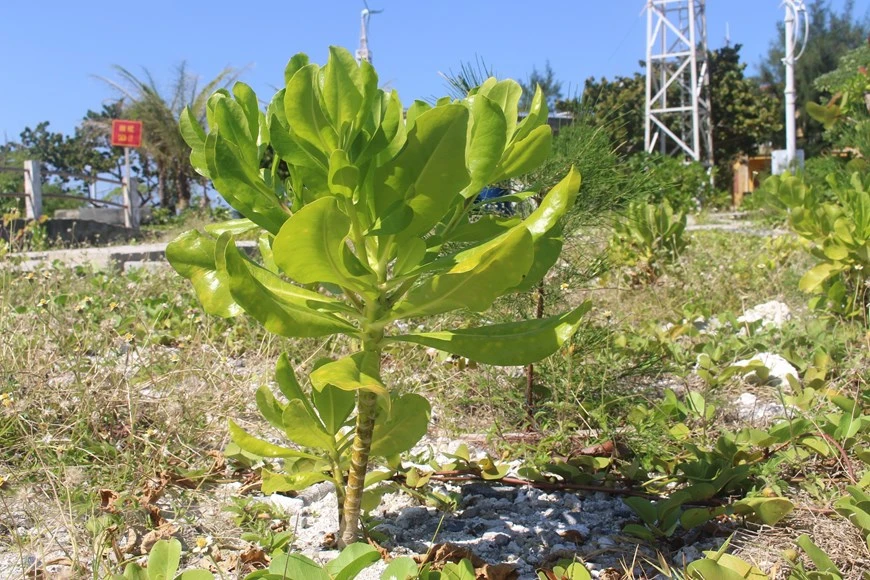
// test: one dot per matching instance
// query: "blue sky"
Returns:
(53, 49)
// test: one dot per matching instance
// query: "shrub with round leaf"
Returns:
(372, 226)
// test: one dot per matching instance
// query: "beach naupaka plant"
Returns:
(373, 226)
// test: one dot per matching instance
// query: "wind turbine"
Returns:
(363, 52)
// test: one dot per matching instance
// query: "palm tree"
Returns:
(162, 143)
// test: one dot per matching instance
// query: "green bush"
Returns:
(649, 238)
(684, 185)
(836, 232)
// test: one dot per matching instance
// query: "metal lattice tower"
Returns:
(677, 80)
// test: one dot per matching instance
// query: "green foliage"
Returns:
(163, 562)
(684, 185)
(744, 115)
(831, 35)
(366, 232)
(616, 107)
(837, 235)
(648, 239)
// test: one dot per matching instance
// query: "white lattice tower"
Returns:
(677, 80)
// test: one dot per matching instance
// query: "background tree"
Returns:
(831, 35)
(162, 144)
(744, 115)
(616, 107)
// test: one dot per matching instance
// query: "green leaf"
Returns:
(342, 91)
(311, 247)
(133, 571)
(241, 186)
(812, 280)
(644, 508)
(334, 406)
(480, 275)
(404, 568)
(360, 371)
(639, 531)
(194, 136)
(304, 112)
(284, 482)
(817, 555)
(407, 422)
(463, 570)
(429, 172)
(193, 256)
(283, 314)
(486, 143)
(195, 575)
(343, 177)
(352, 560)
(694, 517)
(297, 567)
(303, 429)
(523, 156)
(712, 570)
(163, 560)
(506, 95)
(235, 227)
(262, 448)
(269, 407)
(512, 343)
(295, 63)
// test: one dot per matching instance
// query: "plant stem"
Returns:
(367, 407)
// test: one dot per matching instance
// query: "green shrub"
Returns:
(648, 239)
(684, 185)
(836, 232)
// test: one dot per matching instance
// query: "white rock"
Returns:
(779, 369)
(773, 313)
(290, 505)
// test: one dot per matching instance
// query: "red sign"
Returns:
(126, 133)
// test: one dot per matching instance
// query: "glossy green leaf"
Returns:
(713, 570)
(334, 406)
(193, 256)
(311, 247)
(269, 407)
(232, 126)
(462, 570)
(235, 227)
(811, 281)
(512, 343)
(523, 156)
(409, 255)
(343, 177)
(486, 143)
(537, 115)
(257, 446)
(195, 575)
(360, 371)
(163, 560)
(404, 568)
(132, 571)
(278, 314)
(194, 135)
(241, 185)
(304, 112)
(342, 90)
(305, 430)
(430, 171)
(297, 567)
(352, 560)
(767, 510)
(406, 423)
(506, 95)
(250, 107)
(296, 62)
(284, 482)
(480, 275)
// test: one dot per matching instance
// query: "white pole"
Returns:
(790, 144)
(131, 195)
(32, 190)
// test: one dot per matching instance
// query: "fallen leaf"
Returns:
(108, 498)
(163, 532)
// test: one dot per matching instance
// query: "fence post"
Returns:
(131, 204)
(32, 190)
